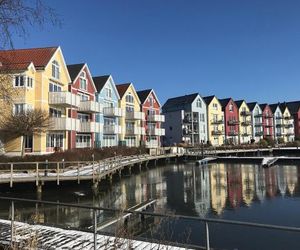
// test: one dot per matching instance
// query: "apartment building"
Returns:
(294, 108)
(288, 121)
(245, 129)
(268, 123)
(256, 121)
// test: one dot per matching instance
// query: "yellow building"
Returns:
(215, 121)
(131, 120)
(37, 74)
(245, 129)
(288, 122)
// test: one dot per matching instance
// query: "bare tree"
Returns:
(27, 123)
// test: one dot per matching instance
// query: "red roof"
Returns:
(122, 88)
(21, 58)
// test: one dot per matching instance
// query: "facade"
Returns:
(231, 120)
(288, 121)
(215, 121)
(109, 119)
(131, 121)
(267, 118)
(294, 108)
(279, 131)
(256, 121)
(152, 124)
(82, 88)
(185, 120)
(41, 81)
(245, 129)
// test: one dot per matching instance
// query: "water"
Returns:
(240, 192)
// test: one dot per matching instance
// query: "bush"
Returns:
(263, 143)
(280, 140)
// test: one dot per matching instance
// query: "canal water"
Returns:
(241, 192)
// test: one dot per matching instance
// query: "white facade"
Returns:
(256, 123)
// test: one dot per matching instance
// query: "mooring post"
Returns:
(95, 227)
(207, 236)
(78, 175)
(12, 228)
(11, 174)
(57, 173)
(36, 173)
(140, 167)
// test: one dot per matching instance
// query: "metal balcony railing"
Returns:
(64, 98)
(156, 118)
(112, 112)
(90, 107)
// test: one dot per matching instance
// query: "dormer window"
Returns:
(151, 101)
(83, 81)
(198, 103)
(129, 98)
(55, 70)
(108, 93)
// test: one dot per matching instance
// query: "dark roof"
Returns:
(143, 94)
(122, 88)
(100, 81)
(251, 105)
(74, 70)
(293, 106)
(239, 103)
(282, 106)
(224, 102)
(208, 99)
(180, 101)
(19, 59)
(273, 107)
(263, 106)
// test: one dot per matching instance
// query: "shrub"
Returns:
(263, 143)
(280, 140)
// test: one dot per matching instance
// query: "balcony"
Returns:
(233, 122)
(215, 122)
(64, 124)
(278, 117)
(89, 127)
(156, 118)
(217, 132)
(258, 124)
(290, 134)
(156, 131)
(258, 115)
(89, 107)
(65, 99)
(288, 118)
(268, 125)
(112, 129)
(136, 115)
(260, 133)
(245, 113)
(190, 120)
(280, 125)
(245, 134)
(232, 133)
(280, 134)
(268, 116)
(112, 112)
(135, 131)
(246, 123)
(152, 144)
(289, 125)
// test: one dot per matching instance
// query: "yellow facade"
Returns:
(245, 128)
(215, 120)
(130, 122)
(37, 97)
(288, 129)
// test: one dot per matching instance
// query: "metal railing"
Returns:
(207, 221)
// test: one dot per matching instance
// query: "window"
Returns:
(202, 117)
(29, 82)
(230, 107)
(199, 103)
(108, 93)
(83, 81)
(53, 87)
(55, 69)
(83, 97)
(151, 101)
(55, 140)
(19, 108)
(83, 141)
(28, 142)
(54, 112)
(83, 117)
(215, 106)
(19, 81)
(129, 98)
(129, 109)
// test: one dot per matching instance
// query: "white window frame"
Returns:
(55, 70)
(83, 82)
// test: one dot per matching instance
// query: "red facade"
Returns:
(231, 119)
(267, 119)
(297, 124)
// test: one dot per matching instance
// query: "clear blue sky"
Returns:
(231, 48)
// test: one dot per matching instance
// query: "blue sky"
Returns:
(241, 49)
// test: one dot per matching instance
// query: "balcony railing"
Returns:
(258, 115)
(233, 122)
(280, 134)
(65, 99)
(280, 125)
(190, 120)
(246, 123)
(156, 131)
(232, 133)
(112, 112)
(90, 107)
(135, 131)
(245, 113)
(268, 116)
(217, 132)
(290, 134)
(221, 121)
(268, 125)
(89, 127)
(135, 115)
(258, 124)
(278, 117)
(260, 133)
(111, 129)
(152, 144)
(156, 118)
(83, 144)
(289, 125)
(64, 123)
(245, 134)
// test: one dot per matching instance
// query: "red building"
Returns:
(234, 184)
(294, 108)
(151, 107)
(267, 120)
(84, 126)
(231, 120)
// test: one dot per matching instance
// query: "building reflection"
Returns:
(234, 183)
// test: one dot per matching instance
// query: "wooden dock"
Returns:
(44, 237)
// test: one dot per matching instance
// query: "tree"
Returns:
(27, 123)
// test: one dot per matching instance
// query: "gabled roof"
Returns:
(180, 101)
(100, 81)
(293, 106)
(143, 94)
(122, 88)
(263, 106)
(224, 102)
(20, 59)
(273, 107)
(283, 106)
(74, 70)
(208, 99)
(239, 103)
(251, 105)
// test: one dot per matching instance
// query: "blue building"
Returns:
(108, 120)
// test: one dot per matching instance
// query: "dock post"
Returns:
(110, 179)
(11, 174)
(57, 173)
(78, 175)
(207, 236)
(140, 167)
(36, 173)
(12, 228)
(95, 228)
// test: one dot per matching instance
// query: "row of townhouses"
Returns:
(193, 120)
(85, 110)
